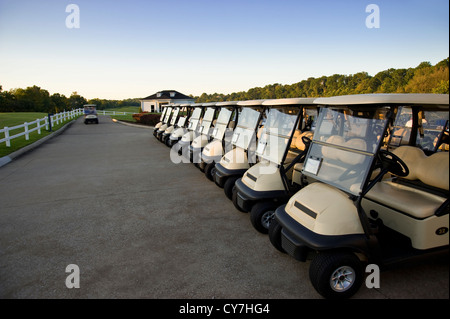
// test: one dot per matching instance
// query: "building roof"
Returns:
(168, 95)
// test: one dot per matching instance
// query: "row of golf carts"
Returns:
(343, 181)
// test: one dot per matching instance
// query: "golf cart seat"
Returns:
(423, 191)
(299, 141)
(297, 169)
(294, 151)
(297, 147)
(340, 163)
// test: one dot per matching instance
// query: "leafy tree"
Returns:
(76, 101)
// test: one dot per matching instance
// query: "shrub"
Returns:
(147, 118)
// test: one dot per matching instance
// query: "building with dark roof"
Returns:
(154, 102)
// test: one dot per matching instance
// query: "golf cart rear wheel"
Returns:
(336, 275)
(275, 235)
(262, 215)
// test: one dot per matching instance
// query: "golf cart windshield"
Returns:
(279, 126)
(173, 120)
(245, 129)
(181, 121)
(168, 113)
(89, 110)
(222, 123)
(193, 121)
(206, 122)
(163, 114)
(344, 145)
(432, 125)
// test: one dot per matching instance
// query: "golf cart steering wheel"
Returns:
(393, 163)
(306, 140)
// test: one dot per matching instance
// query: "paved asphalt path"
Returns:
(108, 199)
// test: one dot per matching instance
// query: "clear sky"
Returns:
(132, 49)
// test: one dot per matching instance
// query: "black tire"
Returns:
(262, 215)
(210, 171)
(228, 186)
(275, 235)
(234, 199)
(336, 275)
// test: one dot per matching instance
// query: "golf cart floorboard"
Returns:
(396, 248)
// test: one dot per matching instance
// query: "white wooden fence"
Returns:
(36, 125)
(103, 112)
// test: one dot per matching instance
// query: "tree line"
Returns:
(36, 99)
(425, 78)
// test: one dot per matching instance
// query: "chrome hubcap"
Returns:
(342, 278)
(267, 218)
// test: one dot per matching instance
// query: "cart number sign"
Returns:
(261, 147)
(312, 165)
(235, 138)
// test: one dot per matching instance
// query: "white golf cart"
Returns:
(181, 126)
(90, 114)
(161, 121)
(238, 160)
(182, 147)
(163, 136)
(203, 132)
(369, 205)
(281, 151)
(221, 143)
(165, 122)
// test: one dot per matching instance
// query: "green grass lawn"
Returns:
(133, 109)
(17, 118)
(124, 117)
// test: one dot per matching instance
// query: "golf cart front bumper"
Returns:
(164, 137)
(222, 174)
(297, 240)
(246, 196)
(195, 154)
(172, 141)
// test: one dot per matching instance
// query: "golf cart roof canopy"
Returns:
(290, 101)
(196, 104)
(209, 104)
(227, 103)
(251, 102)
(436, 100)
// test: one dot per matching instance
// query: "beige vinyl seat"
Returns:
(414, 199)
(339, 162)
(299, 145)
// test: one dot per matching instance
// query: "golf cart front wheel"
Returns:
(228, 186)
(336, 275)
(262, 215)
(275, 235)
(210, 171)
(234, 199)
